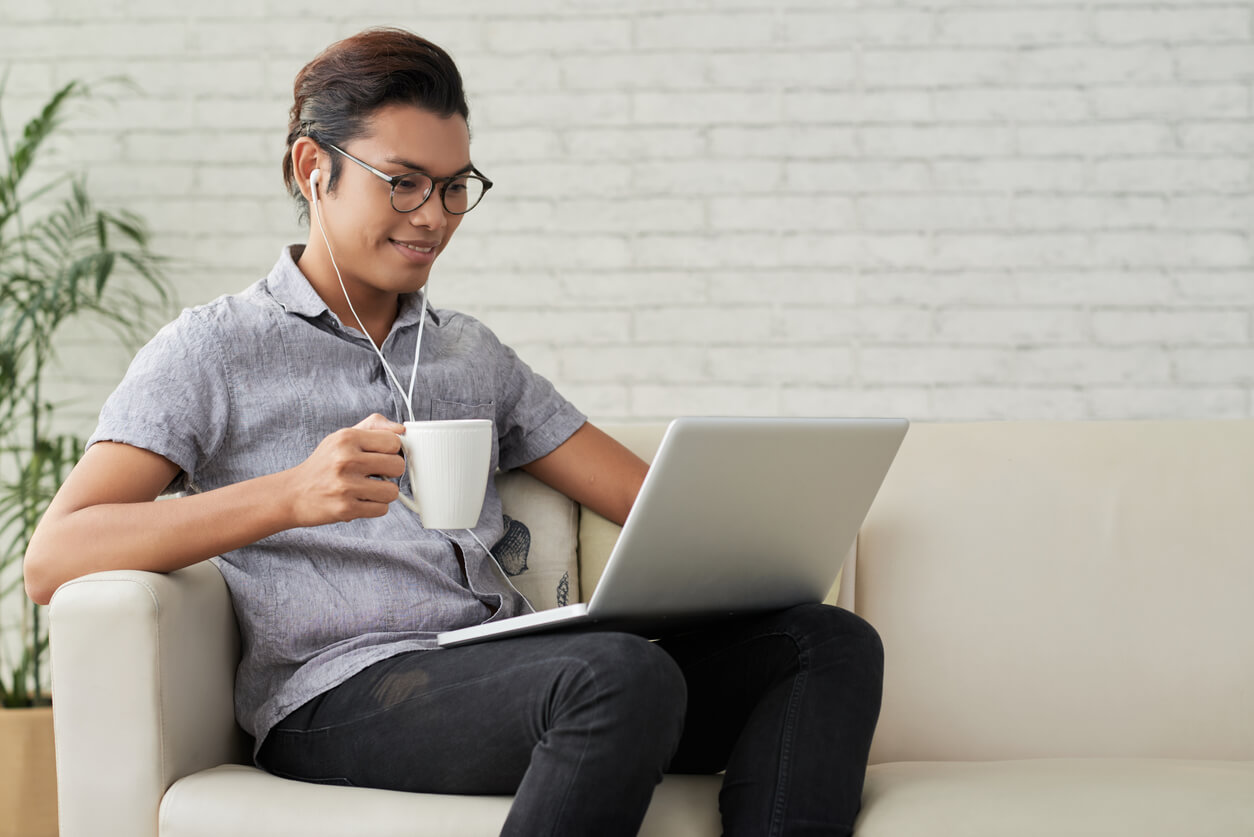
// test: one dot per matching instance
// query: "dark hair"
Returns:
(336, 93)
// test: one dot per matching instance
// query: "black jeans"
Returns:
(580, 726)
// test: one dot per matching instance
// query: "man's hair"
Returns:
(337, 93)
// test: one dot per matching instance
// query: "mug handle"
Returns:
(409, 502)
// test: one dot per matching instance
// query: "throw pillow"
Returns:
(539, 549)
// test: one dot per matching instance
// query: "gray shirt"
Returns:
(249, 385)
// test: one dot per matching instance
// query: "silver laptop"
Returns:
(736, 515)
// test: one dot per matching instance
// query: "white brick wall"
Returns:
(993, 209)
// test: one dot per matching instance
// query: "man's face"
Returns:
(375, 246)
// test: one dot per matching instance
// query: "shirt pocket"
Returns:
(445, 410)
(442, 410)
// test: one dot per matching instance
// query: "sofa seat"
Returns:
(1150, 797)
(248, 802)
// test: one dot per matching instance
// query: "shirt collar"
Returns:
(292, 290)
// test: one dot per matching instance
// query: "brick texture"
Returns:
(943, 210)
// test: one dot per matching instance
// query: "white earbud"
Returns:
(313, 183)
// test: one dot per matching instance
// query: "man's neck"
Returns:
(377, 309)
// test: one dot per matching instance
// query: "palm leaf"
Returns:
(73, 261)
(36, 131)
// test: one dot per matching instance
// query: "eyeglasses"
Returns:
(459, 193)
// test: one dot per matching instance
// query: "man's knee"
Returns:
(816, 625)
(637, 667)
(632, 678)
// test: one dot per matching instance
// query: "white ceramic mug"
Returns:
(448, 465)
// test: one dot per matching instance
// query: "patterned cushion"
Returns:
(538, 550)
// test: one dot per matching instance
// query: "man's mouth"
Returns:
(417, 248)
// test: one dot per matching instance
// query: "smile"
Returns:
(419, 253)
(415, 248)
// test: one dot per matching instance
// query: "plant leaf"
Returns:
(69, 262)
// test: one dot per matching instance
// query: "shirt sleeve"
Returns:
(174, 399)
(532, 417)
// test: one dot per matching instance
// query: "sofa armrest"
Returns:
(143, 667)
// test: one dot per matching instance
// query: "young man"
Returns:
(275, 412)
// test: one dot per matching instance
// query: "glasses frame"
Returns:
(441, 182)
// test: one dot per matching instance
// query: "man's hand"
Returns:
(338, 480)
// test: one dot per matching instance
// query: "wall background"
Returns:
(943, 210)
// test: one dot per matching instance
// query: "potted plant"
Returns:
(62, 260)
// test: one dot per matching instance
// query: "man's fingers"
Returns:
(379, 441)
(378, 491)
(376, 421)
(390, 466)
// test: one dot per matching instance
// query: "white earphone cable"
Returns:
(413, 375)
(497, 561)
(413, 372)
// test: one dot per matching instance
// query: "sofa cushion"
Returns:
(1049, 797)
(539, 549)
(247, 802)
(1064, 589)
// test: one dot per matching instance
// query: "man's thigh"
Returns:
(458, 720)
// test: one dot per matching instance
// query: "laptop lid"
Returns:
(743, 514)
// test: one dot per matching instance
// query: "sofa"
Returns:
(1067, 611)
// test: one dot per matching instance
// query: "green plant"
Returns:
(61, 259)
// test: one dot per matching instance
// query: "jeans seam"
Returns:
(785, 755)
(790, 718)
(560, 808)
(784, 775)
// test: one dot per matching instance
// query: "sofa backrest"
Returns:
(1064, 589)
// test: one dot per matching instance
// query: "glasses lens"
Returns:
(410, 191)
(462, 193)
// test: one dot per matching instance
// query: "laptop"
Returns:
(736, 515)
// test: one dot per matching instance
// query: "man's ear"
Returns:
(305, 154)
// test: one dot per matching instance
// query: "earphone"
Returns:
(408, 397)
(409, 403)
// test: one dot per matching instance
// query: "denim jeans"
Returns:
(580, 726)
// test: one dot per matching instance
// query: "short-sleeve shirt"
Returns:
(248, 385)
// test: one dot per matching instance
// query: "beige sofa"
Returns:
(1067, 611)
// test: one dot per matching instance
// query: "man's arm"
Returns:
(105, 516)
(592, 468)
